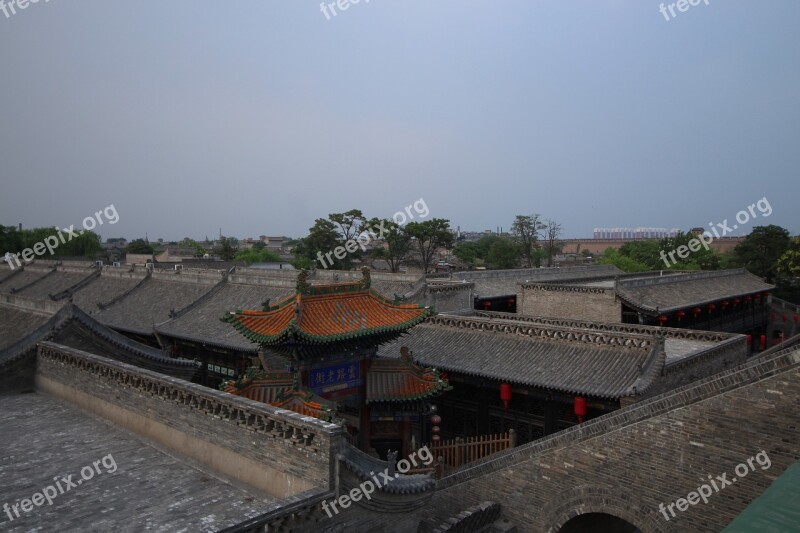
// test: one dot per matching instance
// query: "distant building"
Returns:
(115, 244)
(273, 243)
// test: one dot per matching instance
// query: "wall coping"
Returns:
(250, 415)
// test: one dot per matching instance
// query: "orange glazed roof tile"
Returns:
(400, 380)
(281, 390)
(327, 313)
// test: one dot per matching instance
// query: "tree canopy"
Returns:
(139, 246)
(428, 236)
(761, 250)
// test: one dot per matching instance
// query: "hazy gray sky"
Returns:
(260, 116)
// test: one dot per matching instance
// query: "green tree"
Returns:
(526, 229)
(429, 236)
(467, 253)
(729, 260)
(83, 244)
(322, 238)
(349, 224)
(139, 246)
(645, 252)
(10, 240)
(199, 250)
(788, 273)
(230, 246)
(700, 259)
(397, 243)
(761, 250)
(551, 231)
(257, 256)
(624, 263)
(789, 262)
(87, 244)
(503, 254)
(477, 253)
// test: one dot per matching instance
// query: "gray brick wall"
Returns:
(629, 462)
(564, 301)
(295, 447)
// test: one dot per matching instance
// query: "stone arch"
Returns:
(586, 499)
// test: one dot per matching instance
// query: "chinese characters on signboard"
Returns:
(336, 377)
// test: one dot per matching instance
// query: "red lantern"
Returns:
(747, 299)
(763, 343)
(680, 314)
(757, 297)
(736, 302)
(436, 438)
(505, 394)
(661, 319)
(436, 420)
(749, 340)
(486, 305)
(697, 311)
(784, 318)
(711, 308)
(511, 302)
(724, 304)
(580, 408)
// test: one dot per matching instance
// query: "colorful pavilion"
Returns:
(318, 359)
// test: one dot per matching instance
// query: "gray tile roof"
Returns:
(82, 332)
(493, 283)
(6, 272)
(55, 283)
(102, 290)
(679, 343)
(150, 304)
(594, 363)
(72, 327)
(673, 293)
(16, 324)
(22, 278)
(202, 321)
(385, 283)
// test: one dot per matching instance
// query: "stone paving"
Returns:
(42, 438)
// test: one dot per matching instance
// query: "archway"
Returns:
(592, 522)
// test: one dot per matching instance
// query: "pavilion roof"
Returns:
(282, 390)
(324, 314)
(400, 380)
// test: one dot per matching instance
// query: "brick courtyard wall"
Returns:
(630, 461)
(274, 450)
(567, 301)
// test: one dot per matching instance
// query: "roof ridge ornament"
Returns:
(302, 282)
(366, 281)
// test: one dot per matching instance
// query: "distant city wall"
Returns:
(598, 246)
